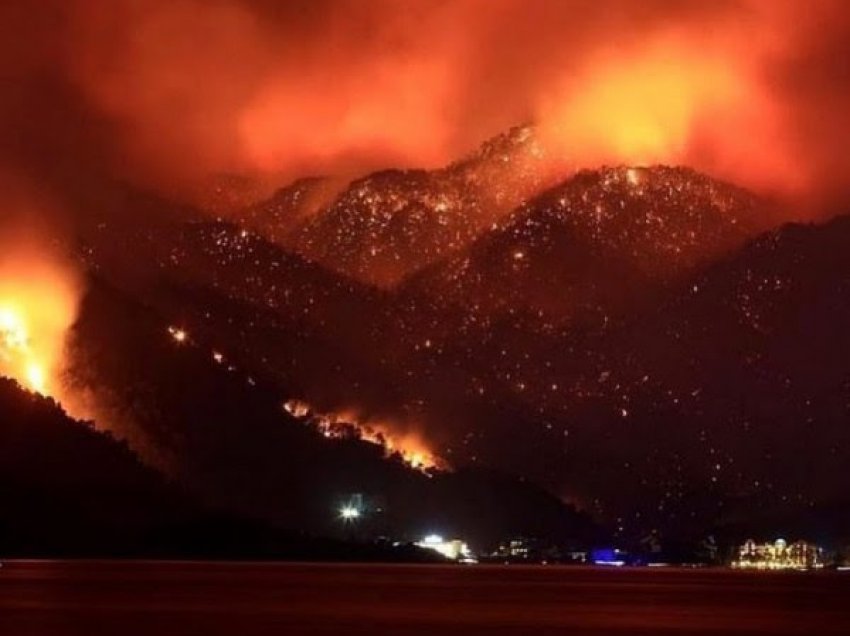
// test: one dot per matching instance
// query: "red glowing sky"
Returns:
(167, 93)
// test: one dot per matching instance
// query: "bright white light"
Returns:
(349, 513)
(454, 549)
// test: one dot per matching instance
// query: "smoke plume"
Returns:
(166, 94)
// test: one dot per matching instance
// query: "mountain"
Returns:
(221, 430)
(594, 245)
(66, 488)
(698, 404)
(383, 226)
(289, 316)
(280, 217)
(751, 350)
(626, 338)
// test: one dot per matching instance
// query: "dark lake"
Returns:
(94, 598)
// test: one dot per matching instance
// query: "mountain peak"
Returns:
(603, 235)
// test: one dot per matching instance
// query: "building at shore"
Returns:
(779, 555)
(453, 549)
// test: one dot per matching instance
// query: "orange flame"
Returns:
(409, 446)
(38, 304)
(412, 449)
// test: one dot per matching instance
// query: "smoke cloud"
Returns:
(165, 94)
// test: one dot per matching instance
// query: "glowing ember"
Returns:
(178, 335)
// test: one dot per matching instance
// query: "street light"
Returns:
(349, 513)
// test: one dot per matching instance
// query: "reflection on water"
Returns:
(243, 599)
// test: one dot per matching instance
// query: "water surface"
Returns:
(89, 598)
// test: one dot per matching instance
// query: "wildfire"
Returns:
(407, 446)
(15, 350)
(411, 448)
(38, 304)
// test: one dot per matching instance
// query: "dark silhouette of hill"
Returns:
(65, 487)
(67, 490)
(748, 354)
(290, 317)
(676, 411)
(731, 392)
(222, 432)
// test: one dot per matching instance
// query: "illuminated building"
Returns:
(453, 549)
(779, 555)
(534, 550)
(519, 549)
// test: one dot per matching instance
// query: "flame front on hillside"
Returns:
(409, 447)
(38, 305)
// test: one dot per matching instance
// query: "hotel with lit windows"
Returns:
(779, 555)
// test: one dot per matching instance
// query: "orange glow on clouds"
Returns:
(751, 90)
(639, 107)
(674, 100)
(356, 120)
